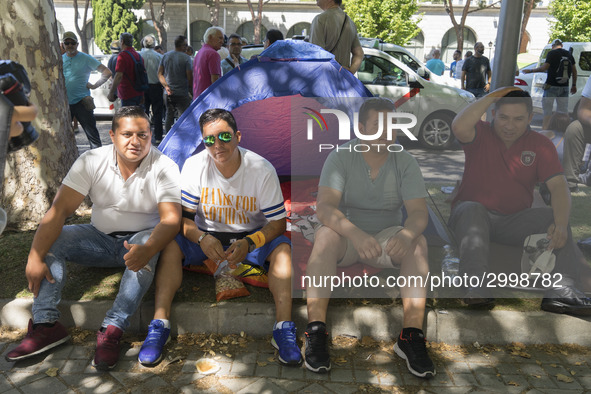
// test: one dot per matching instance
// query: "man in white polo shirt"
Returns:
(136, 212)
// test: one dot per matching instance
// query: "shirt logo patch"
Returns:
(528, 158)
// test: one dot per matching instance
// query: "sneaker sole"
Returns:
(562, 308)
(400, 353)
(102, 366)
(321, 369)
(46, 348)
(282, 361)
(147, 364)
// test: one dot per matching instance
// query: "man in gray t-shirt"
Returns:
(334, 31)
(176, 76)
(362, 189)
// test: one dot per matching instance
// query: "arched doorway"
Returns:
(299, 29)
(416, 46)
(198, 29)
(246, 30)
(449, 43)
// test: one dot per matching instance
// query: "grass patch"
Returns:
(85, 283)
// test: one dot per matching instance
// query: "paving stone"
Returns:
(241, 369)
(262, 385)
(73, 366)
(342, 375)
(365, 376)
(91, 384)
(186, 379)
(12, 391)
(459, 367)
(478, 358)
(574, 385)
(532, 369)
(154, 384)
(543, 382)
(128, 366)
(580, 370)
(131, 353)
(81, 352)
(464, 379)
(20, 378)
(297, 373)
(441, 379)
(189, 366)
(341, 388)
(289, 385)
(130, 378)
(44, 385)
(267, 371)
(236, 384)
(585, 381)
(508, 369)
(61, 352)
(45, 365)
(318, 377)
(388, 379)
(489, 381)
(247, 358)
(518, 379)
(554, 369)
(224, 369)
(5, 366)
(5, 385)
(314, 388)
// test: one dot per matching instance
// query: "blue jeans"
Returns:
(88, 123)
(137, 100)
(477, 92)
(560, 93)
(84, 244)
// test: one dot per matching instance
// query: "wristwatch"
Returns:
(251, 245)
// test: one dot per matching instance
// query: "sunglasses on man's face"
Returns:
(70, 43)
(224, 136)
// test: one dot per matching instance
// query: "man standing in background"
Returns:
(153, 97)
(334, 31)
(476, 72)
(124, 79)
(435, 64)
(77, 69)
(207, 63)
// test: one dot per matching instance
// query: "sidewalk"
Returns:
(362, 354)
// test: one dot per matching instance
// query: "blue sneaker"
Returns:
(284, 340)
(158, 336)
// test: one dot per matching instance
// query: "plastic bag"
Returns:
(226, 285)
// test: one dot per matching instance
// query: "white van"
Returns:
(581, 51)
(434, 104)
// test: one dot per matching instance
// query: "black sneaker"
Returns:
(567, 299)
(411, 347)
(317, 358)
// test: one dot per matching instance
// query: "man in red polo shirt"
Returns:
(124, 79)
(505, 159)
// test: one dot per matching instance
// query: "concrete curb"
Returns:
(381, 322)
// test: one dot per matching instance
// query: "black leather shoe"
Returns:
(478, 297)
(567, 299)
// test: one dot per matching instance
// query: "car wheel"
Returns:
(435, 132)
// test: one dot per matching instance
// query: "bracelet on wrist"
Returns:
(205, 234)
(251, 244)
(257, 238)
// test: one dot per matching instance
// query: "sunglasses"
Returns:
(224, 136)
(70, 42)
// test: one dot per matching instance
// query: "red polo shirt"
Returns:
(501, 178)
(125, 65)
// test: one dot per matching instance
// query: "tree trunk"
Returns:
(159, 24)
(529, 4)
(256, 20)
(81, 32)
(458, 27)
(33, 175)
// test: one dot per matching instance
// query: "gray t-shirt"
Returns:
(373, 205)
(176, 64)
(326, 29)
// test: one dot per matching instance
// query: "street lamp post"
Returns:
(490, 45)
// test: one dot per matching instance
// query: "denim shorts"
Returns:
(560, 93)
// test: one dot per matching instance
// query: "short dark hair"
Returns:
(214, 114)
(516, 97)
(458, 51)
(157, 47)
(134, 111)
(378, 104)
(234, 35)
(179, 41)
(126, 39)
(274, 35)
(468, 54)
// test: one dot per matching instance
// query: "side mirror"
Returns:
(413, 83)
(423, 73)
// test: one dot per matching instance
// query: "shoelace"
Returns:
(418, 347)
(153, 333)
(109, 342)
(317, 341)
(287, 335)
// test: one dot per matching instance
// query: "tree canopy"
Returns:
(394, 21)
(573, 20)
(113, 17)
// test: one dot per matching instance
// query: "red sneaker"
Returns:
(38, 340)
(107, 348)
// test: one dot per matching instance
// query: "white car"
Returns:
(581, 51)
(434, 104)
(524, 81)
(103, 106)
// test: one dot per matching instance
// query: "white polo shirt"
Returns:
(120, 205)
